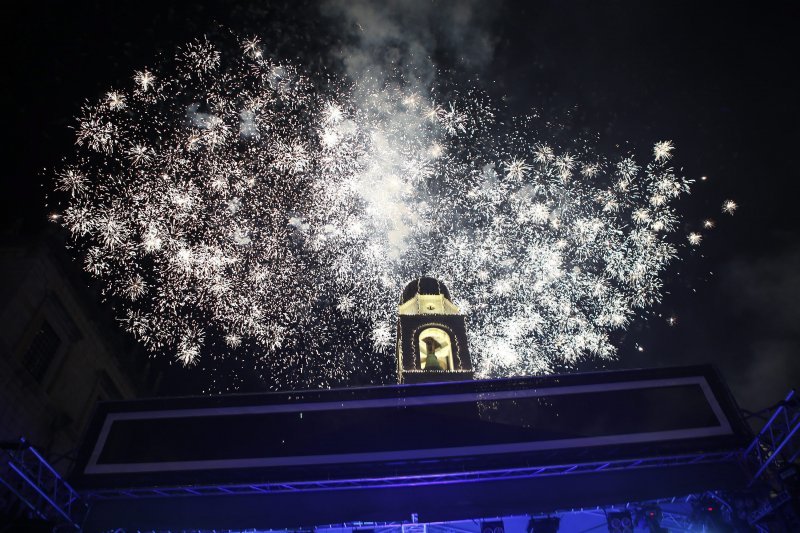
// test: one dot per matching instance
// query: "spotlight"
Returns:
(495, 526)
(543, 525)
(650, 519)
(708, 514)
(620, 522)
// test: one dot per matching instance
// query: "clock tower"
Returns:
(431, 335)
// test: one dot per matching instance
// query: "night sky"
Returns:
(719, 81)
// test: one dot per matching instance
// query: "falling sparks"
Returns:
(245, 206)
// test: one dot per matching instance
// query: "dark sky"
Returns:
(718, 80)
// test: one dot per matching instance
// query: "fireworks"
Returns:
(662, 150)
(729, 207)
(230, 198)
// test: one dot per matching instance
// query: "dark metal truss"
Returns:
(778, 442)
(423, 479)
(25, 473)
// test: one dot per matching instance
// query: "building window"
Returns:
(42, 351)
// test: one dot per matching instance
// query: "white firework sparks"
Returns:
(662, 150)
(144, 79)
(233, 340)
(729, 207)
(516, 169)
(252, 47)
(73, 182)
(115, 100)
(382, 335)
(246, 206)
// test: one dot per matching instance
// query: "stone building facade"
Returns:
(60, 351)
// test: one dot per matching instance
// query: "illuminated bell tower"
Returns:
(431, 335)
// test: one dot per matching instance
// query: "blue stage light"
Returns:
(620, 522)
(495, 526)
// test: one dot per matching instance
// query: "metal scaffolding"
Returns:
(778, 443)
(44, 494)
(39, 488)
(426, 479)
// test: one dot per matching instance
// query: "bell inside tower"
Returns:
(435, 350)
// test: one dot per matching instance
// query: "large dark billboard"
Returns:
(412, 429)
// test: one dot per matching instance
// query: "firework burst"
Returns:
(229, 198)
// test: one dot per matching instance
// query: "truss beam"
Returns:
(41, 489)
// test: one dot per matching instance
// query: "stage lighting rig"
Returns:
(620, 522)
(544, 525)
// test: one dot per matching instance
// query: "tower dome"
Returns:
(424, 286)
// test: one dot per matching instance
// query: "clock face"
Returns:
(430, 304)
(435, 350)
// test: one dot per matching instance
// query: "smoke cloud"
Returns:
(403, 38)
(767, 291)
(389, 49)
